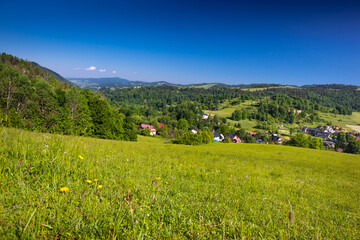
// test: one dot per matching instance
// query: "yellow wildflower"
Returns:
(100, 186)
(95, 180)
(64, 189)
(81, 157)
(157, 178)
(89, 181)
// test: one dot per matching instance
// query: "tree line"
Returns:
(31, 99)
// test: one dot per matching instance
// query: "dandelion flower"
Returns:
(89, 181)
(157, 178)
(95, 180)
(64, 189)
(81, 157)
(100, 186)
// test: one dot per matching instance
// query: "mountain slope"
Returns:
(51, 72)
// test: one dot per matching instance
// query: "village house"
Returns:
(194, 130)
(276, 138)
(233, 138)
(340, 150)
(336, 127)
(218, 137)
(150, 127)
(259, 141)
(329, 144)
(323, 135)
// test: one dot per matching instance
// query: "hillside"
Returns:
(33, 99)
(51, 72)
(32, 69)
(154, 190)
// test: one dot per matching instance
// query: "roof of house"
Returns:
(232, 135)
(151, 127)
(252, 133)
(216, 135)
(339, 150)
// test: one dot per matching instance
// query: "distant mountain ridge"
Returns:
(117, 82)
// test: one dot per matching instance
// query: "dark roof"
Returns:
(216, 135)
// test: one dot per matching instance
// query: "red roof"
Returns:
(151, 127)
(339, 150)
(252, 133)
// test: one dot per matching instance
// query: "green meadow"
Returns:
(342, 120)
(155, 190)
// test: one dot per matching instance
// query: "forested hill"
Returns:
(52, 73)
(340, 99)
(32, 69)
(32, 99)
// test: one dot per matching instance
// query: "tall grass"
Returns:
(155, 190)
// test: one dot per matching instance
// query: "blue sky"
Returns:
(233, 42)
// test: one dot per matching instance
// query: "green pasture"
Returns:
(342, 120)
(155, 190)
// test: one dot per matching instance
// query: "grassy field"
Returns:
(227, 110)
(153, 190)
(260, 89)
(342, 120)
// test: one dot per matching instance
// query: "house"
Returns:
(218, 137)
(328, 144)
(150, 127)
(329, 129)
(311, 131)
(259, 141)
(205, 116)
(276, 138)
(194, 130)
(340, 150)
(233, 138)
(323, 135)
(335, 127)
(252, 133)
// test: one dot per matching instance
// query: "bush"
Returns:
(190, 138)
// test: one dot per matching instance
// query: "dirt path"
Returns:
(354, 127)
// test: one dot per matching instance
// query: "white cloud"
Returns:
(76, 68)
(92, 68)
(102, 70)
(114, 72)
